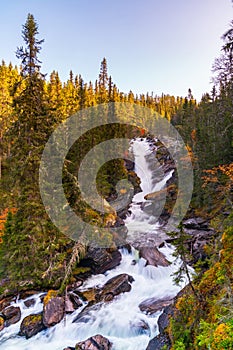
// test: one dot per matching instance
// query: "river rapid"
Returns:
(121, 320)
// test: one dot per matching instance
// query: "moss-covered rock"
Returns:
(31, 325)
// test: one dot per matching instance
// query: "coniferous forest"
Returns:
(35, 255)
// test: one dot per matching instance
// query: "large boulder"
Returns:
(11, 314)
(153, 256)
(100, 260)
(53, 311)
(31, 325)
(97, 342)
(152, 305)
(116, 285)
(95, 297)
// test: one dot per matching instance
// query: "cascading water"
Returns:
(121, 320)
(140, 223)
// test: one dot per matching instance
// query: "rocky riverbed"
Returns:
(121, 298)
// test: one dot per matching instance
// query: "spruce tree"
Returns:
(103, 82)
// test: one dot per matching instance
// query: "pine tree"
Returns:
(103, 82)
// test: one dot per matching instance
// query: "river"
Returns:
(121, 320)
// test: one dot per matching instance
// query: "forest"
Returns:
(35, 255)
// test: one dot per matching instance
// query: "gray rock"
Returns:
(97, 342)
(153, 256)
(53, 311)
(29, 302)
(87, 314)
(76, 301)
(152, 305)
(12, 315)
(116, 285)
(100, 260)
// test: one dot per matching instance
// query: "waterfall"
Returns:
(121, 320)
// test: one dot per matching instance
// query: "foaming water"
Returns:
(152, 180)
(120, 320)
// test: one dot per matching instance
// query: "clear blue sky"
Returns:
(150, 45)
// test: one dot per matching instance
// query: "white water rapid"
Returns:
(121, 320)
(141, 223)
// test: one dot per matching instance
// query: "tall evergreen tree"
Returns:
(103, 82)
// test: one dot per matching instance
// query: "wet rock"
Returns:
(153, 256)
(97, 342)
(95, 296)
(163, 320)
(29, 302)
(141, 327)
(5, 302)
(88, 313)
(53, 311)
(152, 305)
(31, 325)
(101, 260)
(69, 306)
(12, 315)
(76, 301)
(116, 285)
(160, 342)
(69, 348)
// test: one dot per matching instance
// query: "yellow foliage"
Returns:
(109, 220)
(208, 283)
(220, 335)
(51, 294)
(3, 218)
